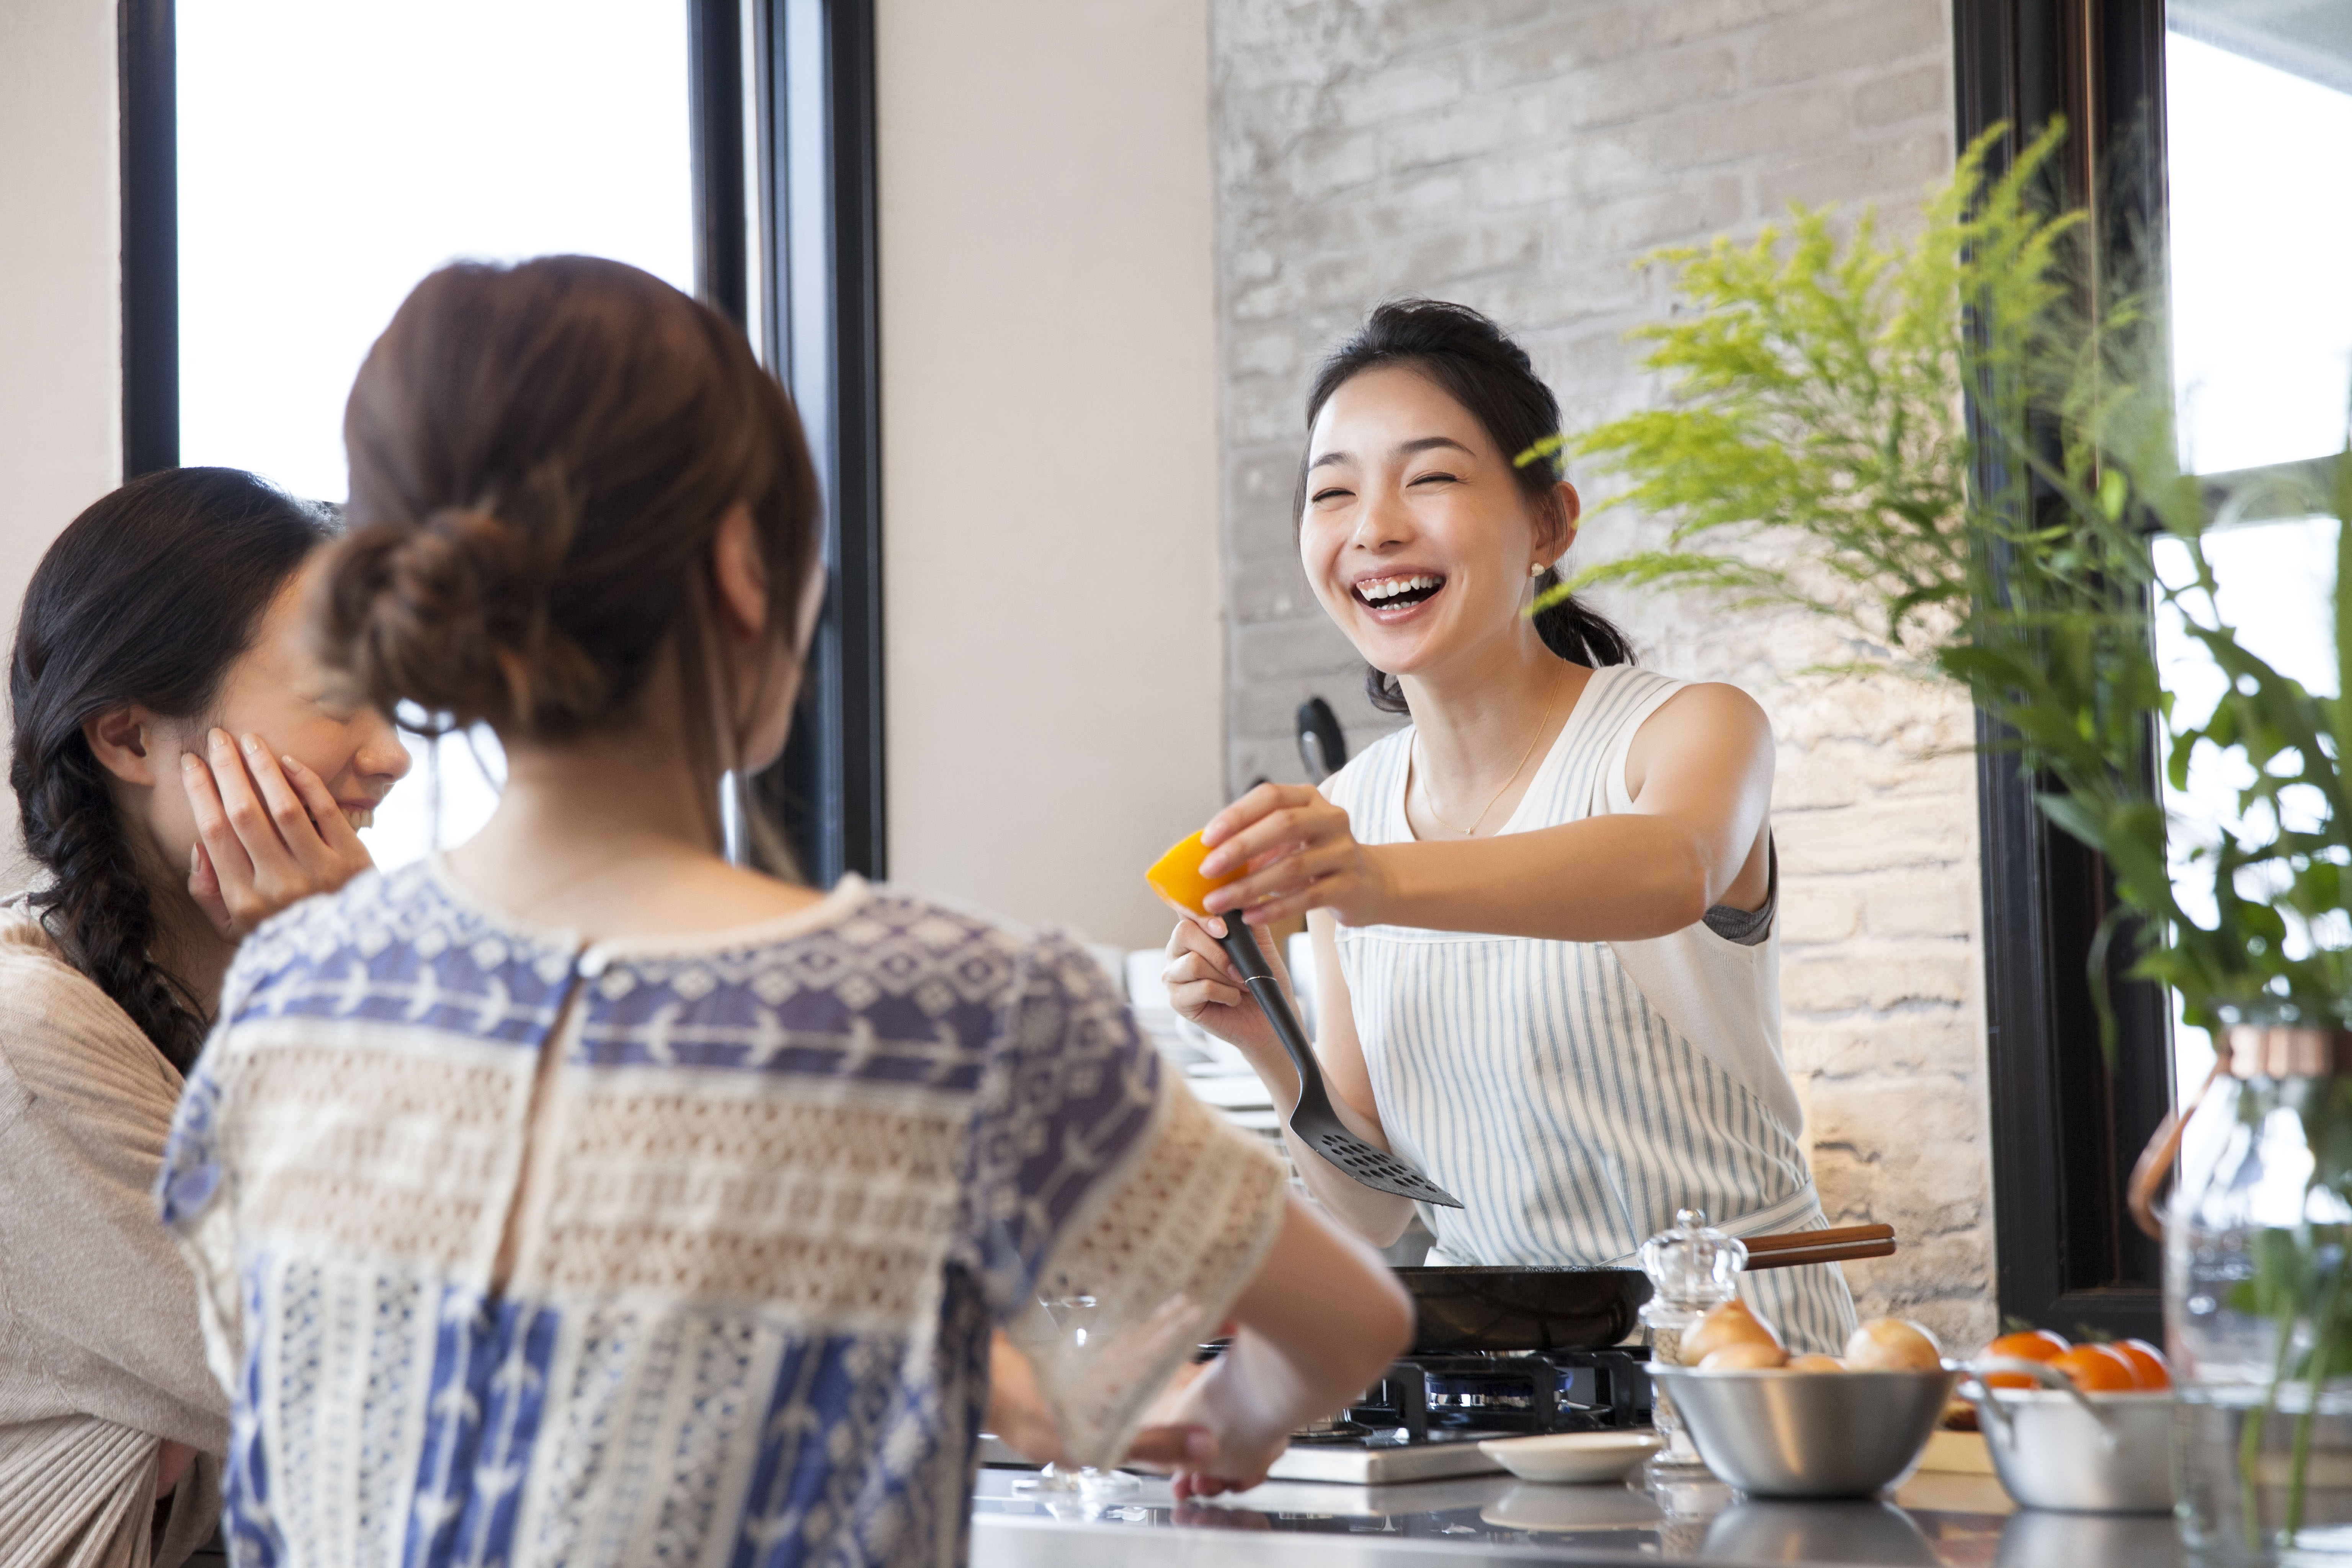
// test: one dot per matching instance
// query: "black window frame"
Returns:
(2066, 1124)
(812, 230)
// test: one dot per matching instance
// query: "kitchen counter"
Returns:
(1935, 1520)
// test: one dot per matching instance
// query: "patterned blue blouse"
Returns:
(518, 1249)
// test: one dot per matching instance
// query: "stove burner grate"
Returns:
(1443, 1398)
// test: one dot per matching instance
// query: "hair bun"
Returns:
(452, 613)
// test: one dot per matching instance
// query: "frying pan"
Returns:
(1474, 1309)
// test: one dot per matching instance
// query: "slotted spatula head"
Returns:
(1176, 879)
(1329, 1137)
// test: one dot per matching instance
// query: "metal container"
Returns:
(1808, 1434)
(2083, 1453)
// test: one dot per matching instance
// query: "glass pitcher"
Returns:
(2258, 1297)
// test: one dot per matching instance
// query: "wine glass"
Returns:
(1072, 1316)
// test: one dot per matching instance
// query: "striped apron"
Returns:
(1574, 1095)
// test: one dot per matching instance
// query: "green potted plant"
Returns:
(1816, 452)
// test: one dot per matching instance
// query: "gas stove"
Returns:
(1426, 1418)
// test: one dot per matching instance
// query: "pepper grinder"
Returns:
(1693, 1268)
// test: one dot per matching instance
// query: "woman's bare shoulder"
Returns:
(1710, 728)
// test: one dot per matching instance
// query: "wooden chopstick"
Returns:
(1808, 1239)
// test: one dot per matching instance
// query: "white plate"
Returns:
(1571, 1455)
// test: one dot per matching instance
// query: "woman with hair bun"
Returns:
(1542, 914)
(183, 769)
(577, 1196)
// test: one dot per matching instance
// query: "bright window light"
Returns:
(2277, 583)
(333, 153)
(2261, 319)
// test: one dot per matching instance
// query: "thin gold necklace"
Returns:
(1429, 798)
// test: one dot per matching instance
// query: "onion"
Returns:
(1893, 1344)
(1747, 1355)
(1816, 1363)
(1730, 1324)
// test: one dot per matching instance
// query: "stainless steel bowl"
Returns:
(2091, 1453)
(1808, 1434)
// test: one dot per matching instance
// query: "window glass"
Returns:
(332, 153)
(2260, 226)
(2276, 580)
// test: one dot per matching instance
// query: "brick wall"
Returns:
(1517, 155)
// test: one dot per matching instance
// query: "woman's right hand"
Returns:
(1206, 989)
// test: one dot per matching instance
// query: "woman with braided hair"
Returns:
(183, 770)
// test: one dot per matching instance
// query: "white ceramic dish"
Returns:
(1574, 1457)
(1529, 1506)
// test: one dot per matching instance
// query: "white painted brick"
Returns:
(1271, 594)
(1810, 778)
(1401, 26)
(1903, 165)
(1380, 97)
(1677, 214)
(1866, 836)
(1571, 294)
(1869, 34)
(1590, 35)
(1308, 645)
(1758, 127)
(1317, 165)
(1488, 123)
(1923, 92)
(1872, 979)
(1665, 81)
(1938, 1038)
(1923, 903)
(1430, 203)
(1819, 910)
(1673, 21)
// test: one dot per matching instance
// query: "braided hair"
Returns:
(1475, 362)
(147, 599)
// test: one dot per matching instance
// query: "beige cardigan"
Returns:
(100, 1357)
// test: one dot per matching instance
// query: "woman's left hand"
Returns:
(1301, 853)
(267, 837)
(1018, 1416)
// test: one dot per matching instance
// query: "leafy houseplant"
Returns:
(1817, 451)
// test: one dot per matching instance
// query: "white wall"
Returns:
(1050, 450)
(60, 291)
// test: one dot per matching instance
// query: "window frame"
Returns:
(821, 331)
(2067, 1122)
(2067, 1125)
(813, 237)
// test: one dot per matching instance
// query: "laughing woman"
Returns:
(1542, 914)
(181, 773)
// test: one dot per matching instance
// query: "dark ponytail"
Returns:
(1475, 364)
(146, 598)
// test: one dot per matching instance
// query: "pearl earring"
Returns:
(1535, 568)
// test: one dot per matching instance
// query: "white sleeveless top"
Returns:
(1574, 1095)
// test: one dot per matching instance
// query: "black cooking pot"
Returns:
(1523, 1309)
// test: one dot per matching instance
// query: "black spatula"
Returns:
(1314, 1119)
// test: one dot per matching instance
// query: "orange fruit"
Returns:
(2030, 1344)
(2147, 1363)
(1176, 875)
(2098, 1369)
